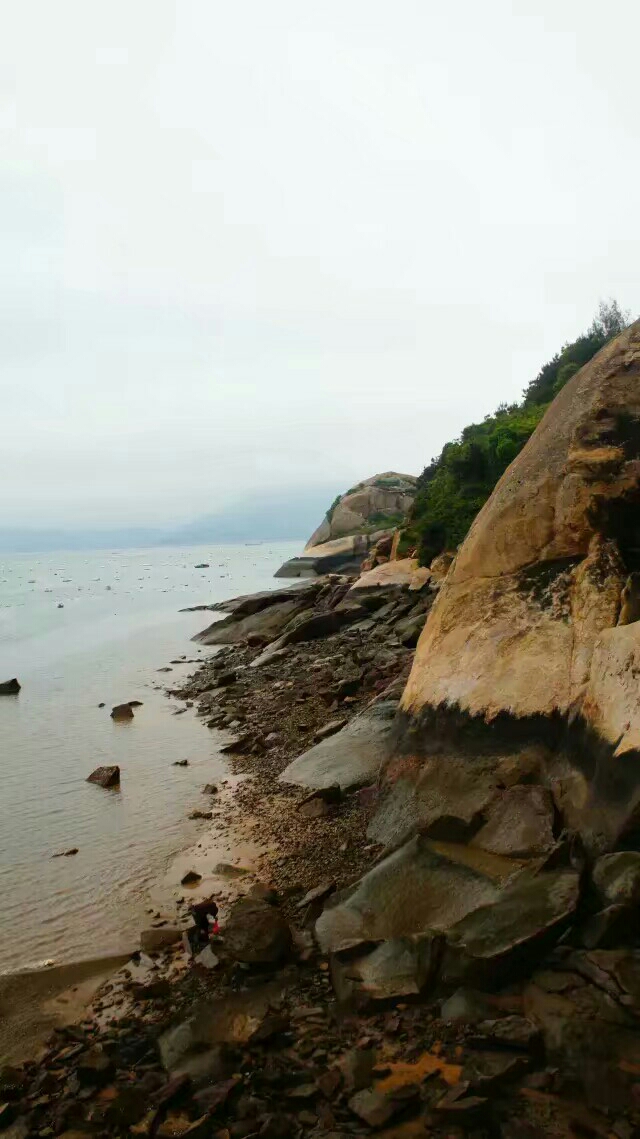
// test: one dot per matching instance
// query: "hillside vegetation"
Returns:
(455, 485)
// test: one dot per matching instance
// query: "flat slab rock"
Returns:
(395, 969)
(350, 758)
(413, 890)
(529, 915)
(519, 823)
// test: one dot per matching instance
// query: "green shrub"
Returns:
(454, 487)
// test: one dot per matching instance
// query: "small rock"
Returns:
(122, 712)
(616, 877)
(105, 776)
(330, 729)
(228, 870)
(509, 1032)
(134, 703)
(9, 687)
(152, 991)
(457, 1104)
(375, 1108)
(201, 815)
(190, 878)
(302, 1091)
(491, 1070)
(180, 763)
(357, 1067)
(321, 802)
(318, 894)
(209, 788)
(66, 853)
(94, 1067)
(466, 1006)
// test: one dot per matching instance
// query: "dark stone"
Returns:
(616, 878)
(321, 803)
(376, 1109)
(122, 712)
(457, 1104)
(152, 991)
(317, 894)
(13, 1081)
(357, 1067)
(210, 789)
(105, 776)
(94, 1067)
(616, 926)
(211, 1098)
(190, 878)
(512, 1032)
(9, 687)
(271, 1026)
(256, 933)
(180, 763)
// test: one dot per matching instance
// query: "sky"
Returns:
(251, 244)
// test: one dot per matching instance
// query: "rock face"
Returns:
(524, 633)
(354, 524)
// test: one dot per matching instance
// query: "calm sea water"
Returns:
(118, 624)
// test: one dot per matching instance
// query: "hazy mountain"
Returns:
(279, 515)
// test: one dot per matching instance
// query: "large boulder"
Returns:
(383, 497)
(503, 938)
(528, 635)
(340, 555)
(417, 889)
(10, 687)
(353, 525)
(406, 571)
(256, 933)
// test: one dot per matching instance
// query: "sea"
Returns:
(79, 630)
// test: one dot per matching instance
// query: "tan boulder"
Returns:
(386, 495)
(524, 633)
(403, 572)
(525, 622)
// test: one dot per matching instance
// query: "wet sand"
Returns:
(34, 1003)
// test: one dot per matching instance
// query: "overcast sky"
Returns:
(245, 242)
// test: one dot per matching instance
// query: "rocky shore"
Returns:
(279, 1031)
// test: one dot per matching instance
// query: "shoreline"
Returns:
(252, 827)
(276, 1030)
